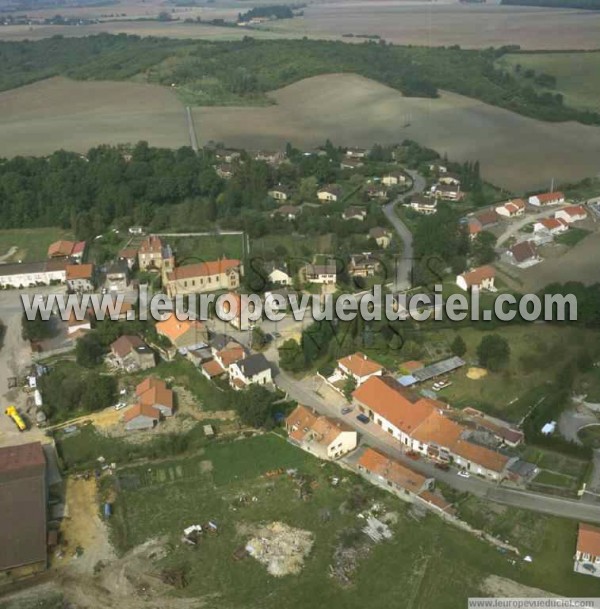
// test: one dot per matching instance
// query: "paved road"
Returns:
(404, 270)
(515, 227)
(301, 391)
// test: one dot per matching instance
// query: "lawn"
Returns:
(549, 478)
(572, 237)
(590, 436)
(538, 352)
(31, 243)
(292, 245)
(556, 463)
(210, 247)
(428, 563)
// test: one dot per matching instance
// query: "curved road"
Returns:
(405, 264)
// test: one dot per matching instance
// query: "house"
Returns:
(329, 194)
(67, 249)
(354, 213)
(363, 265)
(504, 432)
(393, 179)
(481, 278)
(231, 353)
(273, 158)
(321, 273)
(423, 205)
(480, 460)
(279, 276)
(129, 256)
(351, 163)
(200, 277)
(183, 334)
(473, 227)
(523, 254)
(381, 236)
(136, 230)
(151, 253)
(117, 277)
(80, 277)
(359, 367)
(450, 179)
(280, 193)
(289, 212)
(253, 370)
(547, 198)
(154, 392)
(212, 369)
(23, 506)
(438, 168)
(141, 417)
(551, 225)
(28, 274)
(447, 192)
(77, 327)
(573, 213)
(225, 170)
(228, 155)
(356, 153)
(587, 553)
(487, 218)
(392, 475)
(130, 353)
(322, 436)
(511, 209)
(376, 192)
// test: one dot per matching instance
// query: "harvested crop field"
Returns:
(449, 23)
(352, 110)
(60, 113)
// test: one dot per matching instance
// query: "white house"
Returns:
(27, 274)
(551, 225)
(480, 460)
(322, 436)
(253, 370)
(329, 194)
(280, 193)
(423, 205)
(449, 179)
(511, 209)
(321, 273)
(448, 192)
(359, 367)
(573, 213)
(279, 276)
(481, 278)
(393, 179)
(354, 213)
(547, 198)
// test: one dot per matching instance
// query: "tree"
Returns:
(291, 357)
(256, 406)
(36, 329)
(483, 248)
(493, 352)
(349, 387)
(259, 338)
(458, 346)
(89, 350)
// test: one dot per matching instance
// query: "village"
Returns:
(101, 402)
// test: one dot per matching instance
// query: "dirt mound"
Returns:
(281, 548)
(476, 373)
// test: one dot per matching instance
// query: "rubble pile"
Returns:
(281, 548)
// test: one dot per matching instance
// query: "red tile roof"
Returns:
(213, 368)
(60, 248)
(588, 540)
(391, 470)
(140, 409)
(80, 271)
(360, 365)
(476, 276)
(204, 269)
(546, 197)
(489, 459)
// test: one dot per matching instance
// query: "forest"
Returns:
(243, 71)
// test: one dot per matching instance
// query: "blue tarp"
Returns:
(407, 380)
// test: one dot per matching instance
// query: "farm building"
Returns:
(23, 506)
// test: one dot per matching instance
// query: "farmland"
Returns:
(577, 74)
(428, 562)
(59, 113)
(351, 110)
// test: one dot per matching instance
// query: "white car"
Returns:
(120, 405)
(464, 473)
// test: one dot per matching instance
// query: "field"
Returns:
(59, 113)
(28, 244)
(417, 23)
(429, 563)
(196, 249)
(351, 110)
(577, 74)
(512, 392)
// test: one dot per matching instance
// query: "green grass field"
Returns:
(198, 249)
(31, 243)
(577, 74)
(572, 237)
(428, 563)
(537, 353)
(590, 436)
(555, 479)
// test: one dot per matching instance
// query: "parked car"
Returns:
(347, 410)
(443, 466)
(363, 418)
(463, 473)
(120, 405)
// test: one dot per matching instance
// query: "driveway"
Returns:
(514, 227)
